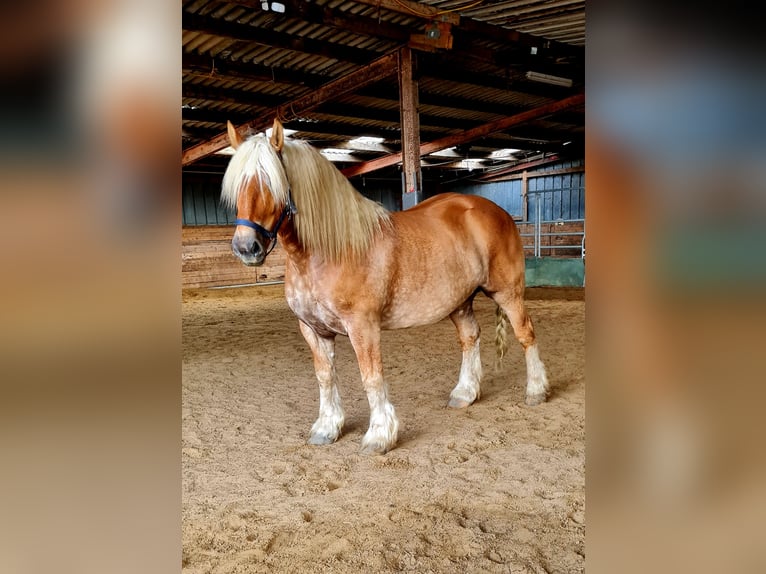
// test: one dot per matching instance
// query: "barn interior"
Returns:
(407, 99)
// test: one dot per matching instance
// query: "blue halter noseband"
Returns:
(288, 211)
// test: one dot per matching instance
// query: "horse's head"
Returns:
(259, 214)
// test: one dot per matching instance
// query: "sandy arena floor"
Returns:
(497, 487)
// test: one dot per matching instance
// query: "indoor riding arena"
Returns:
(409, 101)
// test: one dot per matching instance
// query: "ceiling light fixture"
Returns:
(548, 79)
(446, 152)
(339, 155)
(503, 153)
(366, 140)
(273, 6)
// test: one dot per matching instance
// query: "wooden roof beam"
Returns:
(502, 173)
(339, 109)
(470, 135)
(391, 93)
(364, 76)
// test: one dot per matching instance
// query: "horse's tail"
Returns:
(501, 334)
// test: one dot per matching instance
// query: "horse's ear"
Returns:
(235, 140)
(277, 135)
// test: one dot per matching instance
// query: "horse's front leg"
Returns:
(384, 426)
(328, 426)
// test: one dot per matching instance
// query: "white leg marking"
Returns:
(468, 386)
(384, 426)
(537, 380)
(327, 427)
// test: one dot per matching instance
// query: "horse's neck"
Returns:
(288, 238)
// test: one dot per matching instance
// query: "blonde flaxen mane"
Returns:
(332, 219)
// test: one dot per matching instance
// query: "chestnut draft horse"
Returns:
(353, 268)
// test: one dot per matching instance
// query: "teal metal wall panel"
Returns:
(201, 202)
(551, 272)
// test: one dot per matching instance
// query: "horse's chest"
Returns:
(317, 313)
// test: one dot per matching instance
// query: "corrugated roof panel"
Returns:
(191, 40)
(194, 6)
(227, 11)
(481, 93)
(215, 45)
(477, 116)
(521, 15)
(369, 102)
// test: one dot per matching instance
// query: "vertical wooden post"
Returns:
(410, 124)
(524, 197)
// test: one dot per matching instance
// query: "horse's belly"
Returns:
(420, 311)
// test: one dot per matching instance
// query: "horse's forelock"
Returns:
(255, 158)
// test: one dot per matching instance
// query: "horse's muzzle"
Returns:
(249, 250)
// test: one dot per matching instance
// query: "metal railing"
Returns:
(538, 235)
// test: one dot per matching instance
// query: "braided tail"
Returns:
(501, 335)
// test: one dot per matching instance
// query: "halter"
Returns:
(288, 211)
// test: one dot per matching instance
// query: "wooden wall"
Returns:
(207, 260)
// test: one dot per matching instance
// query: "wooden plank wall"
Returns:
(207, 260)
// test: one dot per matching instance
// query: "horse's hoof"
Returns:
(372, 448)
(371, 451)
(533, 400)
(458, 403)
(320, 439)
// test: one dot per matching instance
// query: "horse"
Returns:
(354, 268)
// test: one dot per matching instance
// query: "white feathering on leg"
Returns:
(537, 379)
(468, 388)
(384, 425)
(327, 427)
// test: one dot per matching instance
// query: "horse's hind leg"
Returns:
(468, 331)
(328, 426)
(537, 380)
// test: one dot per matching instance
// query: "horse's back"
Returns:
(471, 216)
(452, 200)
